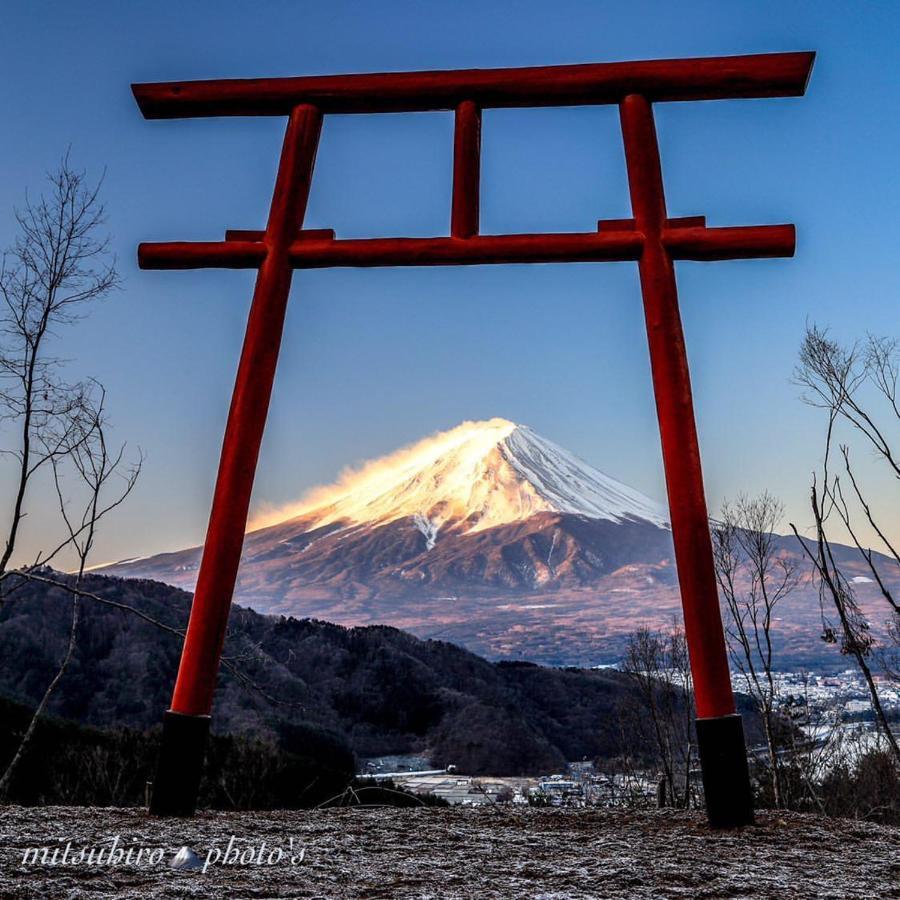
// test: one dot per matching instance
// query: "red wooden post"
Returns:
(187, 722)
(466, 170)
(720, 735)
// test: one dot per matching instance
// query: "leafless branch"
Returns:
(59, 264)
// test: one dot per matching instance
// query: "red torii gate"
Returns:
(650, 238)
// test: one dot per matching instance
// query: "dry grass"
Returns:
(459, 853)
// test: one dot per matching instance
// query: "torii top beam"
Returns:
(707, 78)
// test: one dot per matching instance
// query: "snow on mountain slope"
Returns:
(478, 475)
(570, 485)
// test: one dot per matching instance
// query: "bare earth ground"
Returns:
(454, 853)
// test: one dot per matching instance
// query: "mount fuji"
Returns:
(488, 534)
(488, 513)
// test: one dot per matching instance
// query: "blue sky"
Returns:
(375, 359)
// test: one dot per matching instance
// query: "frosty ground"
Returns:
(450, 853)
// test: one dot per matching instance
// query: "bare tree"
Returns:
(104, 483)
(857, 386)
(59, 265)
(819, 742)
(754, 578)
(658, 664)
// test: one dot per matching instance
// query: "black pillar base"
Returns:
(726, 777)
(180, 765)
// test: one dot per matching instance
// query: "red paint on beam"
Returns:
(317, 249)
(466, 170)
(708, 78)
(246, 420)
(616, 225)
(675, 410)
(201, 254)
(304, 234)
(480, 250)
(629, 224)
(686, 222)
(744, 242)
(372, 252)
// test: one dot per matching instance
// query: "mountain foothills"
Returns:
(488, 535)
(372, 690)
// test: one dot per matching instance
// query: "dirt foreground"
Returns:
(441, 853)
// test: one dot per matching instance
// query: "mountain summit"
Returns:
(476, 476)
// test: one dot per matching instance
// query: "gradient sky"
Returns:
(375, 359)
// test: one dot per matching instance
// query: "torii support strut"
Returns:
(650, 238)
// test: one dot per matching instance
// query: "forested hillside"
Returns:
(377, 689)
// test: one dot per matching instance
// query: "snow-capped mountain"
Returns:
(488, 534)
(488, 519)
(476, 476)
(479, 533)
(484, 507)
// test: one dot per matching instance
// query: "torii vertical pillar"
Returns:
(186, 724)
(720, 736)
